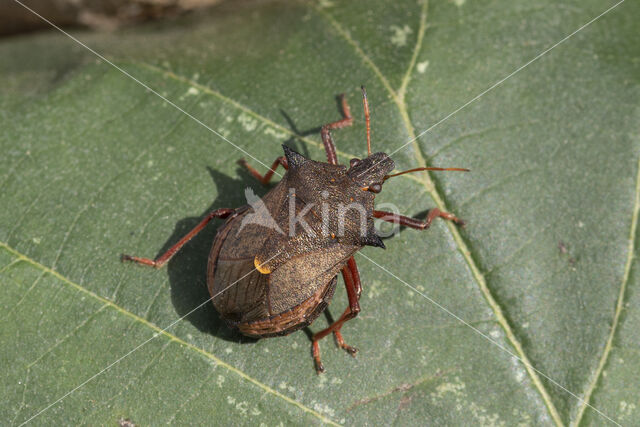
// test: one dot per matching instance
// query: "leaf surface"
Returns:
(95, 165)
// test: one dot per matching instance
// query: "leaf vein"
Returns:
(402, 91)
(365, 58)
(168, 335)
(189, 398)
(66, 337)
(619, 304)
(142, 372)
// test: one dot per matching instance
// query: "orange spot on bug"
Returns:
(260, 267)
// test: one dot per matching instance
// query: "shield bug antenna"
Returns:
(366, 167)
(367, 118)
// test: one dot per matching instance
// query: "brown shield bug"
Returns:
(273, 266)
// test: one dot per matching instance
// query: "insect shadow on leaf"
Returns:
(294, 139)
(187, 269)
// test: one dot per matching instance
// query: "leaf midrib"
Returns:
(159, 331)
(428, 183)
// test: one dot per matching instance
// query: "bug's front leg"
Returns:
(325, 132)
(162, 259)
(417, 223)
(264, 179)
(352, 283)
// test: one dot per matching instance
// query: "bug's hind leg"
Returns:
(354, 289)
(325, 132)
(162, 259)
(264, 179)
(417, 223)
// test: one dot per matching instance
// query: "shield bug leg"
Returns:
(347, 120)
(354, 288)
(355, 274)
(264, 179)
(162, 259)
(416, 223)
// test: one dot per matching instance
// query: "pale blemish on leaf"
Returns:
(324, 4)
(484, 419)
(520, 372)
(456, 388)
(458, 3)
(463, 404)
(422, 66)
(374, 290)
(220, 381)
(193, 91)
(248, 123)
(242, 407)
(273, 132)
(626, 409)
(399, 37)
(323, 408)
(322, 381)
(525, 419)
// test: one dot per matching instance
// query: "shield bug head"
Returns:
(370, 171)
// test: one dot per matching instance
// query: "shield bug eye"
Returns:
(375, 188)
(353, 162)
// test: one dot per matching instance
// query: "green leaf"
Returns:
(529, 315)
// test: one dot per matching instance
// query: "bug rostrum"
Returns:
(274, 264)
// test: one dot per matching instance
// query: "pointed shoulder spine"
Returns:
(294, 159)
(372, 239)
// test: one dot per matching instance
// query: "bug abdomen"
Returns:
(293, 319)
(239, 291)
(242, 297)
